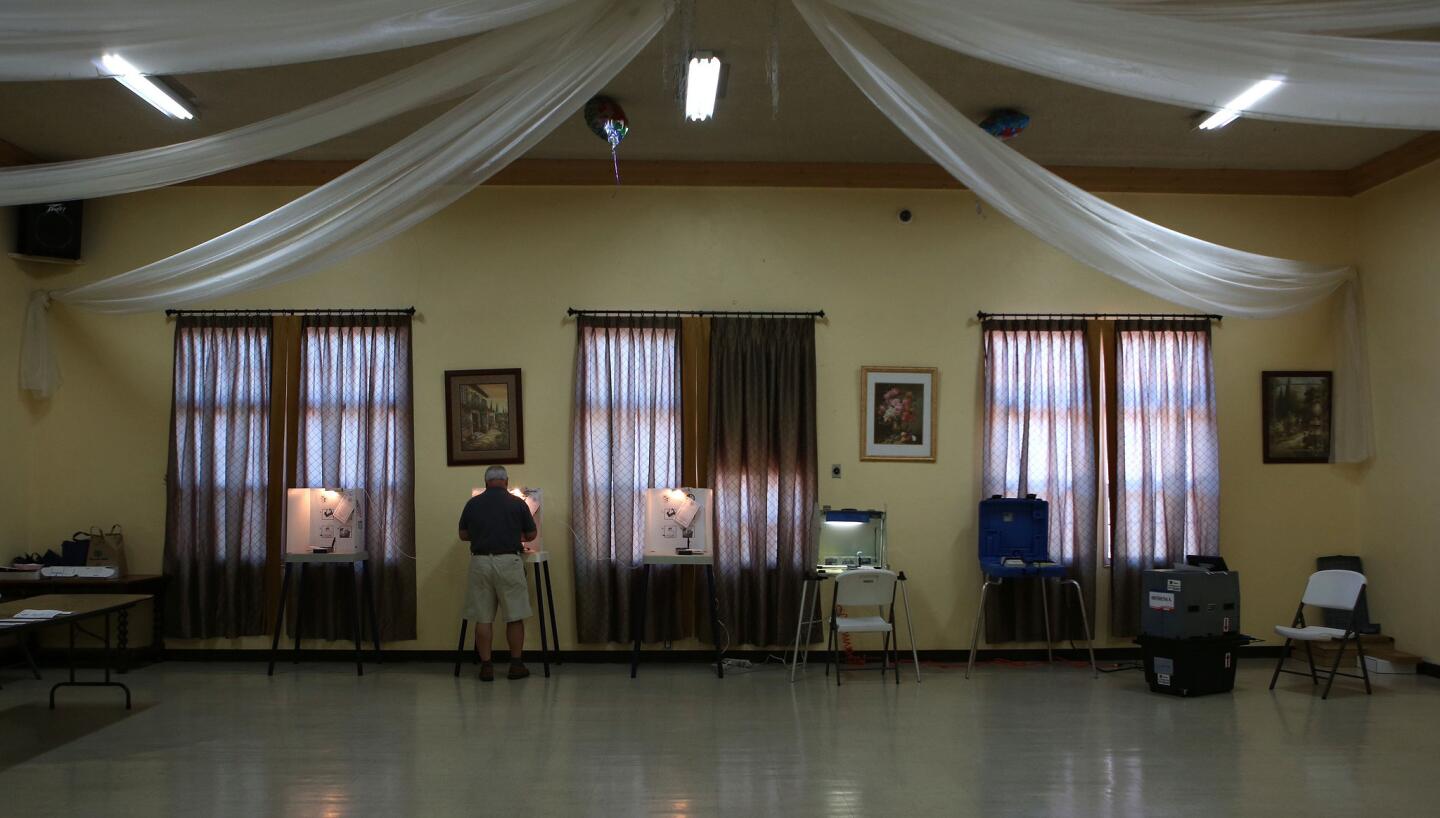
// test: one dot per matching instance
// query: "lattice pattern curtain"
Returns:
(1167, 456)
(216, 504)
(1039, 438)
(626, 433)
(356, 431)
(763, 469)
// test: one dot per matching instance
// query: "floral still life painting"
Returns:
(898, 413)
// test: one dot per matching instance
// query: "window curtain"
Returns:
(218, 477)
(763, 470)
(626, 432)
(356, 431)
(1039, 438)
(1167, 456)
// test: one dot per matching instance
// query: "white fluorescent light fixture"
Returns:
(1238, 105)
(130, 77)
(702, 82)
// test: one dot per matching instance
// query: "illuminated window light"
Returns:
(1240, 104)
(702, 83)
(130, 77)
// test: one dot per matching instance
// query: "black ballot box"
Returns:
(1189, 603)
(1192, 667)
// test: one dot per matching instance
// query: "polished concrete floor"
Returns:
(410, 740)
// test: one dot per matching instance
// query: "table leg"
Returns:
(299, 610)
(550, 603)
(540, 611)
(279, 617)
(715, 621)
(640, 603)
(123, 637)
(157, 624)
(23, 643)
(460, 648)
(109, 662)
(357, 625)
(909, 628)
(799, 626)
(374, 616)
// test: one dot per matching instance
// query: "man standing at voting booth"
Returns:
(496, 524)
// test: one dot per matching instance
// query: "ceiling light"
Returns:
(1238, 105)
(130, 77)
(702, 82)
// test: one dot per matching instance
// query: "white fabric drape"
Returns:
(1335, 80)
(448, 74)
(1335, 16)
(1160, 261)
(63, 39)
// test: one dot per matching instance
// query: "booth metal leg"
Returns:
(715, 621)
(799, 626)
(358, 625)
(540, 611)
(279, 617)
(554, 618)
(979, 617)
(641, 603)
(1045, 615)
(460, 648)
(910, 629)
(299, 610)
(1085, 621)
(374, 617)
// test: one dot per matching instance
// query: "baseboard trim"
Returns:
(1428, 669)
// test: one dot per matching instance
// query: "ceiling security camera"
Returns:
(904, 215)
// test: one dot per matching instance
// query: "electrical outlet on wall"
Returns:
(835, 471)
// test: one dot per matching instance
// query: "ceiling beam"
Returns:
(914, 176)
(1416, 153)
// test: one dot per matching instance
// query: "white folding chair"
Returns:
(858, 589)
(1336, 590)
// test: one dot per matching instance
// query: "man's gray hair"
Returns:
(496, 473)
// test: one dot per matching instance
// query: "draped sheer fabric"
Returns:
(1167, 456)
(1160, 261)
(1335, 16)
(387, 194)
(446, 75)
(356, 431)
(216, 509)
(1039, 438)
(626, 435)
(1334, 80)
(63, 39)
(763, 468)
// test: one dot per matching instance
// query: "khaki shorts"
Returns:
(497, 578)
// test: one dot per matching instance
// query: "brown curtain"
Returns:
(763, 470)
(356, 431)
(626, 431)
(1039, 439)
(218, 476)
(1168, 456)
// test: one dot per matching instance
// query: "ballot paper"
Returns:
(30, 614)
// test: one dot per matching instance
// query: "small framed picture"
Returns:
(1295, 416)
(483, 417)
(897, 413)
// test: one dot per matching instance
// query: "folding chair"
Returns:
(1338, 591)
(864, 588)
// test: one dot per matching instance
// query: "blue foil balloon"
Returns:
(1006, 123)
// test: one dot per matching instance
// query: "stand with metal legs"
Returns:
(641, 604)
(358, 562)
(544, 600)
(1045, 608)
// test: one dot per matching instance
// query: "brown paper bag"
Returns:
(107, 548)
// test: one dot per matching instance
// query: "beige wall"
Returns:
(1400, 260)
(492, 276)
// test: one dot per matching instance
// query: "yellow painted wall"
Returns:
(1400, 259)
(493, 274)
(14, 419)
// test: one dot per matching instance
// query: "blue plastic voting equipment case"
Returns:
(1015, 538)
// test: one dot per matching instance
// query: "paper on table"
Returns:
(36, 613)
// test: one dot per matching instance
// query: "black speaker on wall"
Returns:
(48, 230)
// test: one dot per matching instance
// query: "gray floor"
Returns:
(408, 739)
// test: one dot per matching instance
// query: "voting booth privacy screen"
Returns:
(323, 519)
(677, 520)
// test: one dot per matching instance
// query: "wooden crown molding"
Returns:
(11, 155)
(912, 176)
(1414, 154)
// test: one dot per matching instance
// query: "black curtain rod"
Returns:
(701, 313)
(1164, 316)
(316, 311)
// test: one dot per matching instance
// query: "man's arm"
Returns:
(528, 531)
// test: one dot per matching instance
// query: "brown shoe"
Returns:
(517, 671)
(487, 672)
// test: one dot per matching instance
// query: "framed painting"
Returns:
(483, 420)
(1295, 416)
(897, 413)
